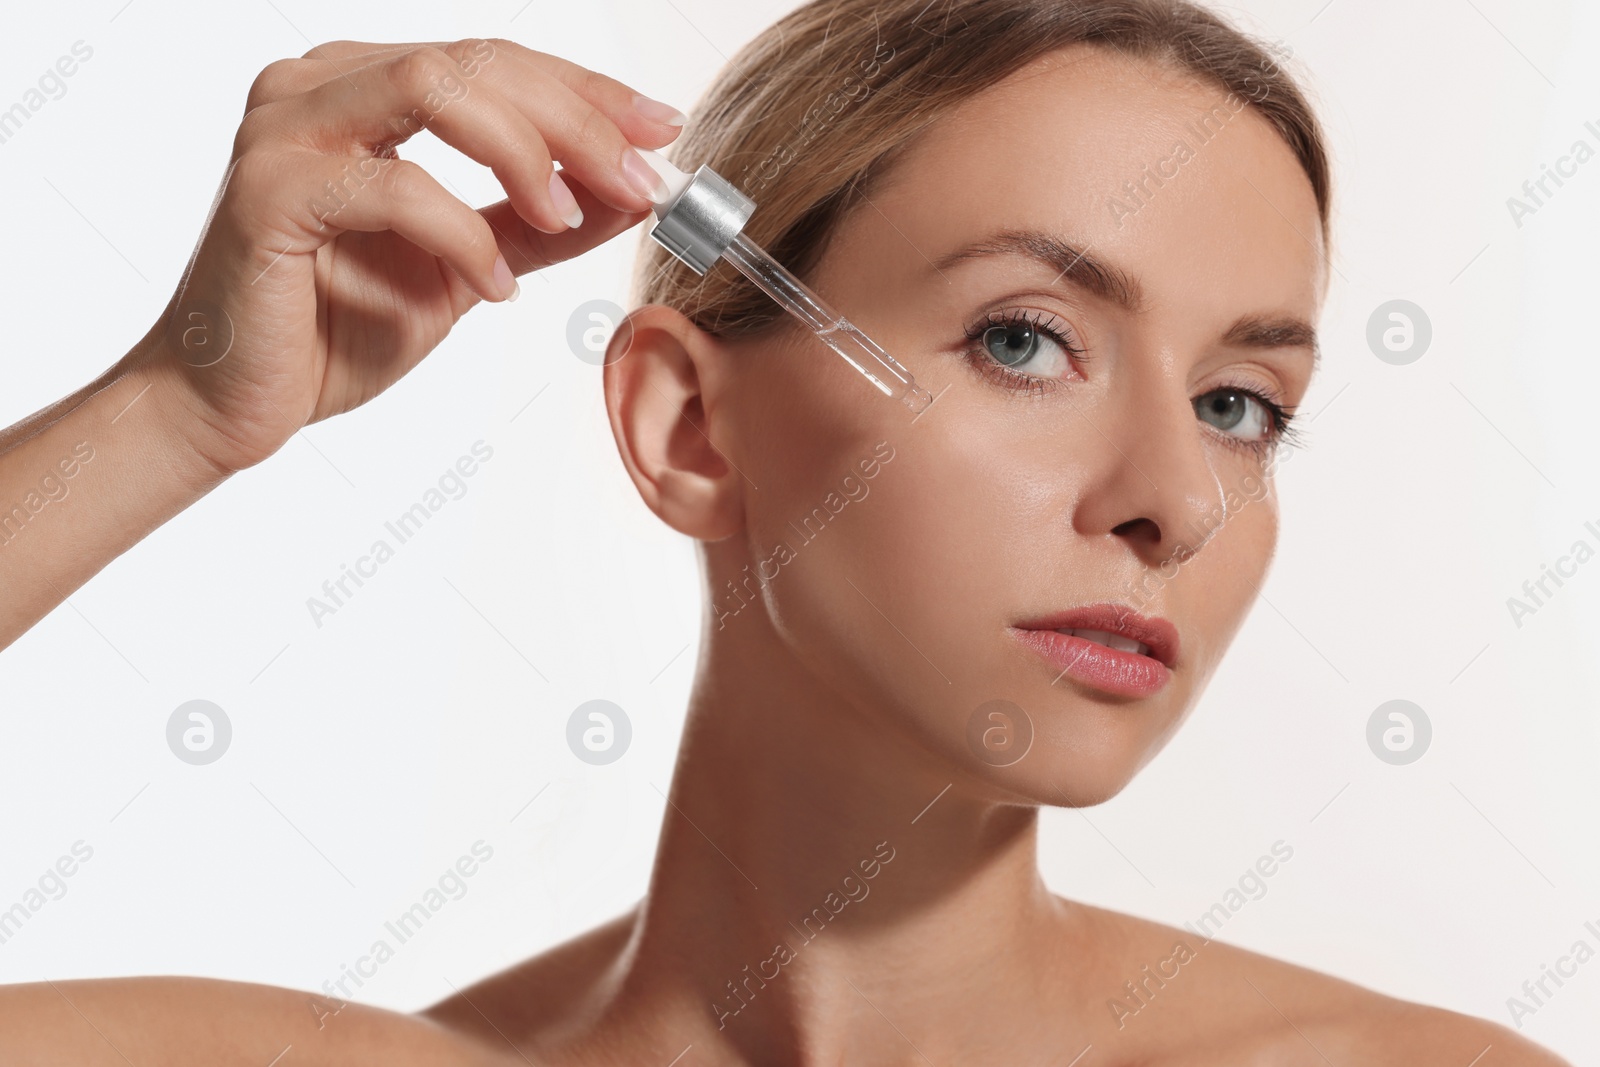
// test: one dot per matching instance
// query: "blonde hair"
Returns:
(808, 115)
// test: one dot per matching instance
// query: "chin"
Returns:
(1068, 750)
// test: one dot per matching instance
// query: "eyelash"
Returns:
(1280, 416)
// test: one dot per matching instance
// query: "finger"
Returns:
(587, 143)
(388, 101)
(590, 122)
(376, 194)
(284, 78)
(529, 250)
(643, 121)
(587, 139)
(341, 53)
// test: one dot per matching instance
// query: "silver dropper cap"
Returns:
(700, 222)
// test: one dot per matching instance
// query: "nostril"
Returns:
(1142, 529)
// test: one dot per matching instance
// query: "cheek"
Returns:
(1243, 547)
(1251, 497)
(944, 514)
(899, 597)
(1217, 587)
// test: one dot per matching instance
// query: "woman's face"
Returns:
(1064, 463)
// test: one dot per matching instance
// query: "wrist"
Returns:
(159, 399)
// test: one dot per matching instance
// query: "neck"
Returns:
(823, 886)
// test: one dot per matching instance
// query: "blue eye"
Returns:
(1023, 345)
(1251, 419)
(1016, 343)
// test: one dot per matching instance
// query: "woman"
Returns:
(1098, 233)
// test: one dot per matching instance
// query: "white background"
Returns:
(370, 753)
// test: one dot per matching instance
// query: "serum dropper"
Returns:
(702, 219)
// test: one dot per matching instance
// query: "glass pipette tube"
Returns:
(830, 327)
(702, 219)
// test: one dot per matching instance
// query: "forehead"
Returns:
(1166, 177)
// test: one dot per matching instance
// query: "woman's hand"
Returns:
(329, 266)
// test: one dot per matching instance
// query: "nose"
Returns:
(1150, 480)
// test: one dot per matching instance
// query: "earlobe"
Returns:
(663, 380)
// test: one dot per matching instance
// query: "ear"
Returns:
(663, 379)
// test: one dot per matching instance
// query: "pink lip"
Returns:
(1109, 669)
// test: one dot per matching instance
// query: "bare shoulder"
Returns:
(1406, 1032)
(200, 1022)
(538, 995)
(1188, 1000)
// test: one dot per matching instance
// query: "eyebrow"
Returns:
(1112, 283)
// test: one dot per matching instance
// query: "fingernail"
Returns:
(565, 204)
(505, 279)
(656, 111)
(643, 177)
